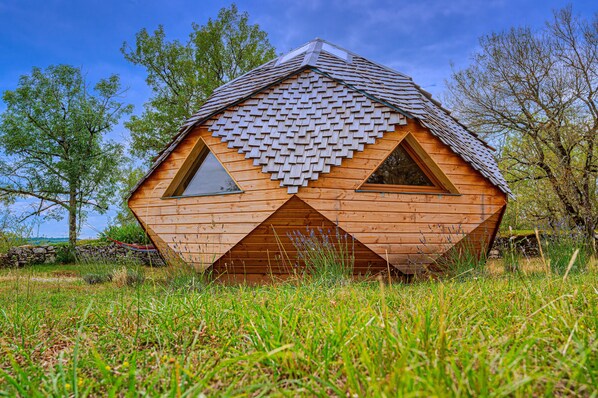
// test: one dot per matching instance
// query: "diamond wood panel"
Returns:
(269, 249)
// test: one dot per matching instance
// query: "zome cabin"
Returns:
(320, 141)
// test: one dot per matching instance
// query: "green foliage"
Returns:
(12, 232)
(121, 274)
(328, 256)
(93, 279)
(494, 336)
(10, 239)
(127, 233)
(65, 254)
(463, 261)
(535, 201)
(188, 281)
(559, 246)
(183, 75)
(130, 177)
(91, 242)
(51, 142)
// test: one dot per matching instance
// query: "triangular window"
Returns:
(205, 176)
(408, 169)
(400, 169)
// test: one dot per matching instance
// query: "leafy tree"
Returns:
(130, 177)
(12, 232)
(51, 142)
(537, 93)
(182, 76)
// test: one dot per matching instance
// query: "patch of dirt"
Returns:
(47, 355)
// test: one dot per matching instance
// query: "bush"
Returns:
(64, 255)
(127, 233)
(93, 279)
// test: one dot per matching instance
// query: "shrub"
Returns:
(127, 233)
(328, 257)
(64, 255)
(128, 277)
(93, 279)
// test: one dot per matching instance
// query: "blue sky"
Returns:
(420, 38)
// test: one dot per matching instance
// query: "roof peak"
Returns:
(311, 52)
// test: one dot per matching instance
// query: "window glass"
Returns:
(400, 169)
(210, 178)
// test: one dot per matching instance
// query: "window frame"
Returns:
(441, 184)
(187, 171)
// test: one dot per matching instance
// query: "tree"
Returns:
(51, 143)
(130, 177)
(182, 76)
(537, 94)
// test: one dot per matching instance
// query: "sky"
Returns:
(421, 38)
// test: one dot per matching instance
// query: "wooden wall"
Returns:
(411, 229)
(268, 252)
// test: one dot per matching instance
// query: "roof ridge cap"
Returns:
(313, 53)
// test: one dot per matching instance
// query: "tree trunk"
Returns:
(72, 221)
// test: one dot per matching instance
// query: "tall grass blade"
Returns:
(571, 262)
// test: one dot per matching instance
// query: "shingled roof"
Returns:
(301, 127)
(300, 114)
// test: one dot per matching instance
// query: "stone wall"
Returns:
(26, 255)
(48, 254)
(117, 254)
(526, 245)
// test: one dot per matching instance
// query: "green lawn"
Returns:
(525, 335)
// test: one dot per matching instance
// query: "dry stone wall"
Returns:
(526, 245)
(47, 254)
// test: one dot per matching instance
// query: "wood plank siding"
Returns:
(233, 231)
(269, 251)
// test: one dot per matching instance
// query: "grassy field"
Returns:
(526, 334)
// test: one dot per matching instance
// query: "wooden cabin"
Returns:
(324, 143)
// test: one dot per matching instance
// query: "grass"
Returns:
(328, 256)
(523, 334)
